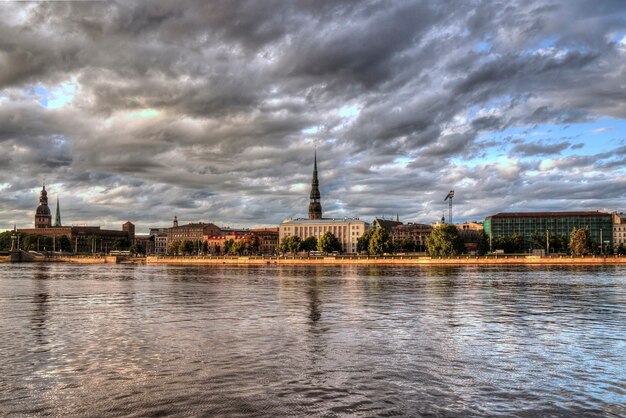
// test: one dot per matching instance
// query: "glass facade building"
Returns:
(555, 223)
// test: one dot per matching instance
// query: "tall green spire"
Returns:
(57, 219)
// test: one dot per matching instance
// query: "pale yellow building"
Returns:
(619, 229)
(347, 230)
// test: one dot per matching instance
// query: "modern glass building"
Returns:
(555, 223)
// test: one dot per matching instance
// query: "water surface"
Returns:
(121, 340)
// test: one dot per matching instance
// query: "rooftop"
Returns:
(305, 221)
(548, 214)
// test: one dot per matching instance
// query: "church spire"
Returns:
(57, 218)
(315, 207)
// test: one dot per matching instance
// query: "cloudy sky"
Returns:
(212, 110)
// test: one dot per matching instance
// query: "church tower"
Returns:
(175, 223)
(57, 218)
(315, 207)
(43, 218)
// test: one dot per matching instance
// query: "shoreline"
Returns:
(490, 260)
(388, 260)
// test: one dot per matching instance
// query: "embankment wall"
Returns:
(396, 260)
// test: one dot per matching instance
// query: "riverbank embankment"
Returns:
(330, 261)
(26, 257)
(388, 260)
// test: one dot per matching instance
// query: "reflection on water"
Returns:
(40, 308)
(284, 341)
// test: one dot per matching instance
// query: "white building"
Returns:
(347, 230)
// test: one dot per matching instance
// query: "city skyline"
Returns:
(212, 112)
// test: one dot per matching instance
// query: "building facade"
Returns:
(159, 236)
(550, 224)
(619, 229)
(192, 231)
(88, 239)
(470, 233)
(347, 230)
(268, 240)
(410, 232)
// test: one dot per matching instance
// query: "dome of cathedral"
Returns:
(43, 210)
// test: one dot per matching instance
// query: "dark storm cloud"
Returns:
(211, 110)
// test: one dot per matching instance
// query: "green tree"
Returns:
(512, 244)
(238, 247)
(65, 244)
(217, 249)
(517, 244)
(308, 244)
(620, 249)
(136, 249)
(28, 242)
(120, 244)
(181, 247)
(187, 247)
(405, 244)
(227, 244)
(205, 247)
(538, 240)
(482, 244)
(580, 242)
(5, 240)
(380, 243)
(363, 242)
(254, 245)
(328, 243)
(444, 241)
(558, 243)
(290, 244)
(173, 247)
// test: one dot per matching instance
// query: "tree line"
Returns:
(87, 244)
(445, 241)
(246, 246)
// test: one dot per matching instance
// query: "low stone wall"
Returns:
(87, 260)
(390, 260)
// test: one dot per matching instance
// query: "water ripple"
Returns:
(312, 341)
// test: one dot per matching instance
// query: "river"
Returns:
(124, 340)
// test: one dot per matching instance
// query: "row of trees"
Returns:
(35, 242)
(444, 241)
(327, 243)
(579, 243)
(91, 243)
(246, 246)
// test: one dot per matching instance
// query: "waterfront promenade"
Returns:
(390, 260)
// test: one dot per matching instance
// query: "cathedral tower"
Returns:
(43, 218)
(315, 207)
